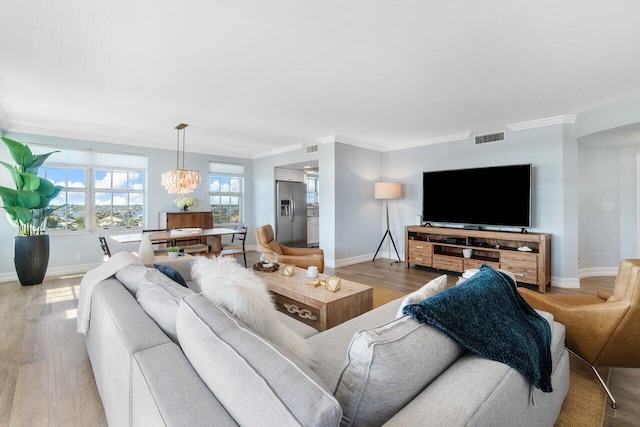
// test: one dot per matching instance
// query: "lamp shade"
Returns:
(180, 181)
(388, 190)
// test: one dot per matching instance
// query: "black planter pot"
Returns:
(31, 258)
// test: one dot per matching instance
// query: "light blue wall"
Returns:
(357, 212)
(542, 147)
(608, 173)
(65, 247)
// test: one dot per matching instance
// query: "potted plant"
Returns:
(173, 252)
(27, 208)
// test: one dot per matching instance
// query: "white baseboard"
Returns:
(598, 271)
(565, 282)
(54, 272)
(353, 260)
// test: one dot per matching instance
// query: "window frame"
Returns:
(240, 194)
(90, 190)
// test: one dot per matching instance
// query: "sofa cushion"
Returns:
(433, 287)
(331, 346)
(285, 391)
(160, 297)
(245, 295)
(167, 391)
(388, 366)
(132, 276)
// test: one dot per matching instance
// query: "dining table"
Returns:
(213, 236)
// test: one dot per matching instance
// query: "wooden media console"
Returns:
(442, 248)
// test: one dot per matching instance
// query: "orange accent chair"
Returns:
(300, 257)
(602, 330)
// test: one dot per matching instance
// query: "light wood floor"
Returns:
(46, 378)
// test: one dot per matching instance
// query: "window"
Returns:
(119, 196)
(95, 195)
(312, 190)
(226, 191)
(73, 195)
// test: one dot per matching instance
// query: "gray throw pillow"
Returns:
(160, 298)
(388, 366)
(131, 276)
(233, 360)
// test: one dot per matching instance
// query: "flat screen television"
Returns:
(488, 196)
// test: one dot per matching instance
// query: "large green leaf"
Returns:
(15, 174)
(18, 214)
(45, 200)
(20, 153)
(28, 199)
(31, 181)
(38, 160)
(9, 196)
(46, 187)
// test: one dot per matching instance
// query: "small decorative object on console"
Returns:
(268, 259)
(332, 283)
(184, 202)
(312, 272)
(287, 270)
(268, 262)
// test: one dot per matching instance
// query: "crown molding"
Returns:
(74, 135)
(357, 143)
(429, 141)
(549, 121)
(323, 140)
(276, 151)
(327, 139)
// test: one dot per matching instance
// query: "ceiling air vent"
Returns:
(311, 148)
(492, 137)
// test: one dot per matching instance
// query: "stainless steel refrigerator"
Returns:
(291, 214)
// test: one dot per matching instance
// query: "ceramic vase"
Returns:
(145, 251)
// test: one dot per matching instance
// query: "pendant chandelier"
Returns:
(180, 180)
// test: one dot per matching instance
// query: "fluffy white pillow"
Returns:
(433, 287)
(240, 291)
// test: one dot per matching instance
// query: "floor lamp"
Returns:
(386, 191)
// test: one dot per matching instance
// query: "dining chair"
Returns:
(105, 247)
(237, 248)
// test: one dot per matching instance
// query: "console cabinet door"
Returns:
(523, 265)
(420, 252)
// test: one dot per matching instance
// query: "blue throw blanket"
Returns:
(488, 317)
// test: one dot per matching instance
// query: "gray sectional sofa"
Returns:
(171, 357)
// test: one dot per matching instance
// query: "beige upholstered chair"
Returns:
(602, 330)
(300, 257)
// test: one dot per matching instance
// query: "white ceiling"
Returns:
(253, 77)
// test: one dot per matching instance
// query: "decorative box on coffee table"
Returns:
(315, 305)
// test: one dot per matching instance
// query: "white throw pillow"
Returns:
(433, 287)
(242, 293)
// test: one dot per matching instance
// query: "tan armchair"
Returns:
(602, 330)
(300, 257)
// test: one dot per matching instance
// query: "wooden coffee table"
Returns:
(316, 306)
